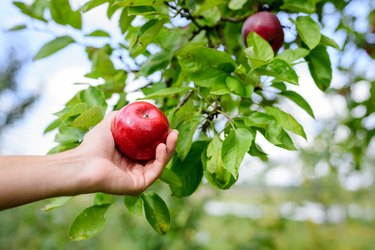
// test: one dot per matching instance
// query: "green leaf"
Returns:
(325, 40)
(141, 10)
(204, 65)
(167, 92)
(270, 129)
(220, 87)
(104, 199)
(74, 100)
(74, 111)
(299, 100)
(236, 86)
(187, 110)
(56, 202)
(309, 31)
(258, 50)
(125, 20)
(186, 131)
(53, 46)
(154, 87)
(134, 204)
(286, 121)
(189, 170)
(281, 70)
(277, 136)
(170, 177)
(121, 101)
(139, 2)
(320, 67)
(89, 222)
(306, 6)
(62, 13)
(115, 84)
(88, 118)
(171, 39)
(93, 96)
(205, 6)
(91, 4)
(236, 4)
(211, 16)
(156, 211)
(258, 119)
(155, 62)
(99, 33)
(111, 9)
(235, 146)
(279, 85)
(31, 11)
(102, 65)
(213, 166)
(52, 126)
(68, 135)
(18, 27)
(62, 148)
(257, 151)
(285, 141)
(146, 34)
(292, 55)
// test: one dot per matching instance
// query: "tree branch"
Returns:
(184, 100)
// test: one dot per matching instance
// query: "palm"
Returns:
(135, 175)
(116, 173)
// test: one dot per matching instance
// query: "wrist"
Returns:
(87, 170)
(68, 171)
(24, 179)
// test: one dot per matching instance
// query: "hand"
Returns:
(94, 166)
(110, 171)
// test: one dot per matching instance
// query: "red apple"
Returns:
(266, 25)
(138, 129)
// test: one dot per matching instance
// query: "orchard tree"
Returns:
(218, 70)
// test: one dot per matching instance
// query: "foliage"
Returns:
(213, 89)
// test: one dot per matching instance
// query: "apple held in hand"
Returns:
(138, 129)
(266, 25)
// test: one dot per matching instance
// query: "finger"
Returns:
(155, 168)
(171, 143)
(107, 121)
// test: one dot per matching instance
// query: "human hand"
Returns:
(94, 166)
(110, 171)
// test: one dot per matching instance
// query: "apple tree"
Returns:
(220, 88)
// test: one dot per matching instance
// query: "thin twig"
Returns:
(184, 100)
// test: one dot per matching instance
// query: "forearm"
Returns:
(25, 179)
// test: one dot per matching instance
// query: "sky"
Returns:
(54, 77)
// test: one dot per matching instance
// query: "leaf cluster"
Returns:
(214, 90)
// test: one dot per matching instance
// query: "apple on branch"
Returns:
(138, 129)
(266, 25)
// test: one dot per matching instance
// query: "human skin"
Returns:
(94, 166)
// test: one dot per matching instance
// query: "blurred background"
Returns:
(321, 197)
